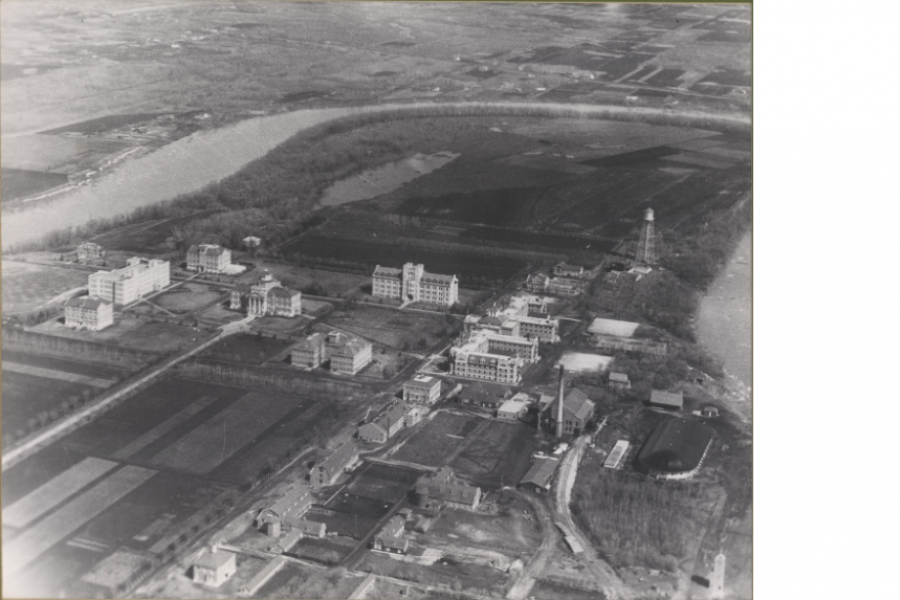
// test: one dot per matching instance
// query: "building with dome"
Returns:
(266, 297)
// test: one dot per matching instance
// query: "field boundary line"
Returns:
(24, 369)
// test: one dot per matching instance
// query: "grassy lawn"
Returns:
(246, 349)
(400, 330)
(432, 444)
(187, 298)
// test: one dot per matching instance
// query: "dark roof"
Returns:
(622, 377)
(386, 272)
(283, 292)
(541, 472)
(392, 416)
(341, 457)
(576, 403)
(667, 398)
(675, 445)
(311, 343)
(90, 302)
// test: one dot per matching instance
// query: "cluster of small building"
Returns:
(413, 283)
(496, 346)
(344, 353)
(563, 280)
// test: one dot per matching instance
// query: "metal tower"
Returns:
(646, 248)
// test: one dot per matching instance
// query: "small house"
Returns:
(328, 471)
(619, 382)
(422, 389)
(214, 568)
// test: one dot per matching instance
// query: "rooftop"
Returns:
(89, 302)
(674, 399)
(541, 472)
(214, 560)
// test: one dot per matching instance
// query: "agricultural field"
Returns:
(26, 287)
(499, 456)
(164, 433)
(398, 330)
(439, 438)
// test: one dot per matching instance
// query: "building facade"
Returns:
(208, 258)
(352, 357)
(422, 389)
(309, 353)
(328, 471)
(578, 409)
(123, 286)
(267, 297)
(89, 312)
(444, 488)
(214, 568)
(89, 251)
(413, 283)
(383, 428)
(473, 361)
(348, 355)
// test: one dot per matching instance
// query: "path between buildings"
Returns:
(535, 566)
(603, 573)
(62, 427)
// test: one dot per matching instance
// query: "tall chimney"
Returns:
(559, 408)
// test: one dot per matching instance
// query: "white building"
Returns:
(422, 389)
(413, 283)
(208, 258)
(125, 285)
(474, 360)
(89, 312)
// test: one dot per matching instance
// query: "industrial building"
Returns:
(140, 277)
(577, 411)
(413, 283)
(88, 312)
(539, 476)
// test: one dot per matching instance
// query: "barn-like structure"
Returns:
(675, 447)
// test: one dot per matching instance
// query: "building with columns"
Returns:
(267, 297)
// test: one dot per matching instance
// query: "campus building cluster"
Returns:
(413, 283)
(123, 286)
(563, 280)
(346, 354)
(266, 297)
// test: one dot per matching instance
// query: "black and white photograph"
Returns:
(377, 300)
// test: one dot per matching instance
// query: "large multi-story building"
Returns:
(125, 285)
(208, 258)
(89, 251)
(413, 283)
(89, 312)
(267, 297)
(518, 318)
(475, 359)
(348, 355)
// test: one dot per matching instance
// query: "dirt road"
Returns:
(191, 163)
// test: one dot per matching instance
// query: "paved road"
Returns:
(60, 428)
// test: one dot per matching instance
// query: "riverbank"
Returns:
(724, 322)
(196, 161)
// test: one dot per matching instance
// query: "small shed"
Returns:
(667, 399)
(619, 381)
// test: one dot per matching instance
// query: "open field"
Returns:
(72, 366)
(187, 298)
(437, 439)
(229, 431)
(393, 328)
(19, 183)
(328, 283)
(352, 516)
(27, 287)
(130, 332)
(246, 349)
(383, 482)
(506, 531)
(499, 456)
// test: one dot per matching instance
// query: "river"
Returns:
(190, 163)
(725, 320)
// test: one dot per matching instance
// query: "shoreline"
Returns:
(724, 319)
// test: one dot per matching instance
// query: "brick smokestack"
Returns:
(559, 407)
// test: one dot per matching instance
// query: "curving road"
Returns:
(191, 163)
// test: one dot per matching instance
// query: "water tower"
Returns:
(646, 248)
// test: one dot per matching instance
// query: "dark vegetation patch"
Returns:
(552, 589)
(302, 96)
(245, 348)
(62, 364)
(19, 183)
(363, 256)
(103, 124)
(384, 483)
(483, 73)
(499, 456)
(621, 67)
(536, 239)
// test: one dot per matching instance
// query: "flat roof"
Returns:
(613, 327)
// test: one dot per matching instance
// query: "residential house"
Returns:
(214, 568)
(390, 538)
(619, 382)
(385, 426)
(309, 353)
